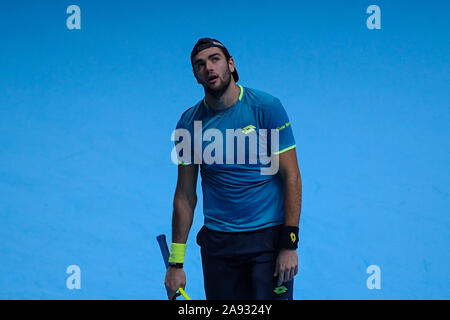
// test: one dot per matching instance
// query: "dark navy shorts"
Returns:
(240, 265)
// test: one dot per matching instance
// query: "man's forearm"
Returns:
(183, 215)
(292, 199)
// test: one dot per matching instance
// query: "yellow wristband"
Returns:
(177, 251)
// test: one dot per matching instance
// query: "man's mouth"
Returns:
(212, 78)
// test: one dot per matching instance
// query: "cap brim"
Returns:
(235, 75)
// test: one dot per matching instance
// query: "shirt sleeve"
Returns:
(184, 151)
(278, 120)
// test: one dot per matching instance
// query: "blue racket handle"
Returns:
(164, 248)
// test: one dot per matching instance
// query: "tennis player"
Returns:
(250, 235)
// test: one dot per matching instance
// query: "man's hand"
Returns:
(287, 265)
(175, 278)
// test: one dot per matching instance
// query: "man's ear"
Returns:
(231, 65)
(195, 75)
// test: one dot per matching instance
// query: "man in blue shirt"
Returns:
(242, 140)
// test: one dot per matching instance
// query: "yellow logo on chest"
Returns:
(248, 129)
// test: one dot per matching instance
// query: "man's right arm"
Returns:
(184, 204)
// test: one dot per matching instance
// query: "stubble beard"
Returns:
(225, 84)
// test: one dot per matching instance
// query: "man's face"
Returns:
(212, 70)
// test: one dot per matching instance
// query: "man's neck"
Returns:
(225, 100)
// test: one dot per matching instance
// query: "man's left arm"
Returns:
(287, 262)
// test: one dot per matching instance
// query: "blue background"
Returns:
(86, 116)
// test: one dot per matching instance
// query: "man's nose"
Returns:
(209, 66)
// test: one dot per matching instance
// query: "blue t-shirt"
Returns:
(236, 195)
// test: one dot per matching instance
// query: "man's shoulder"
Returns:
(192, 113)
(260, 99)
